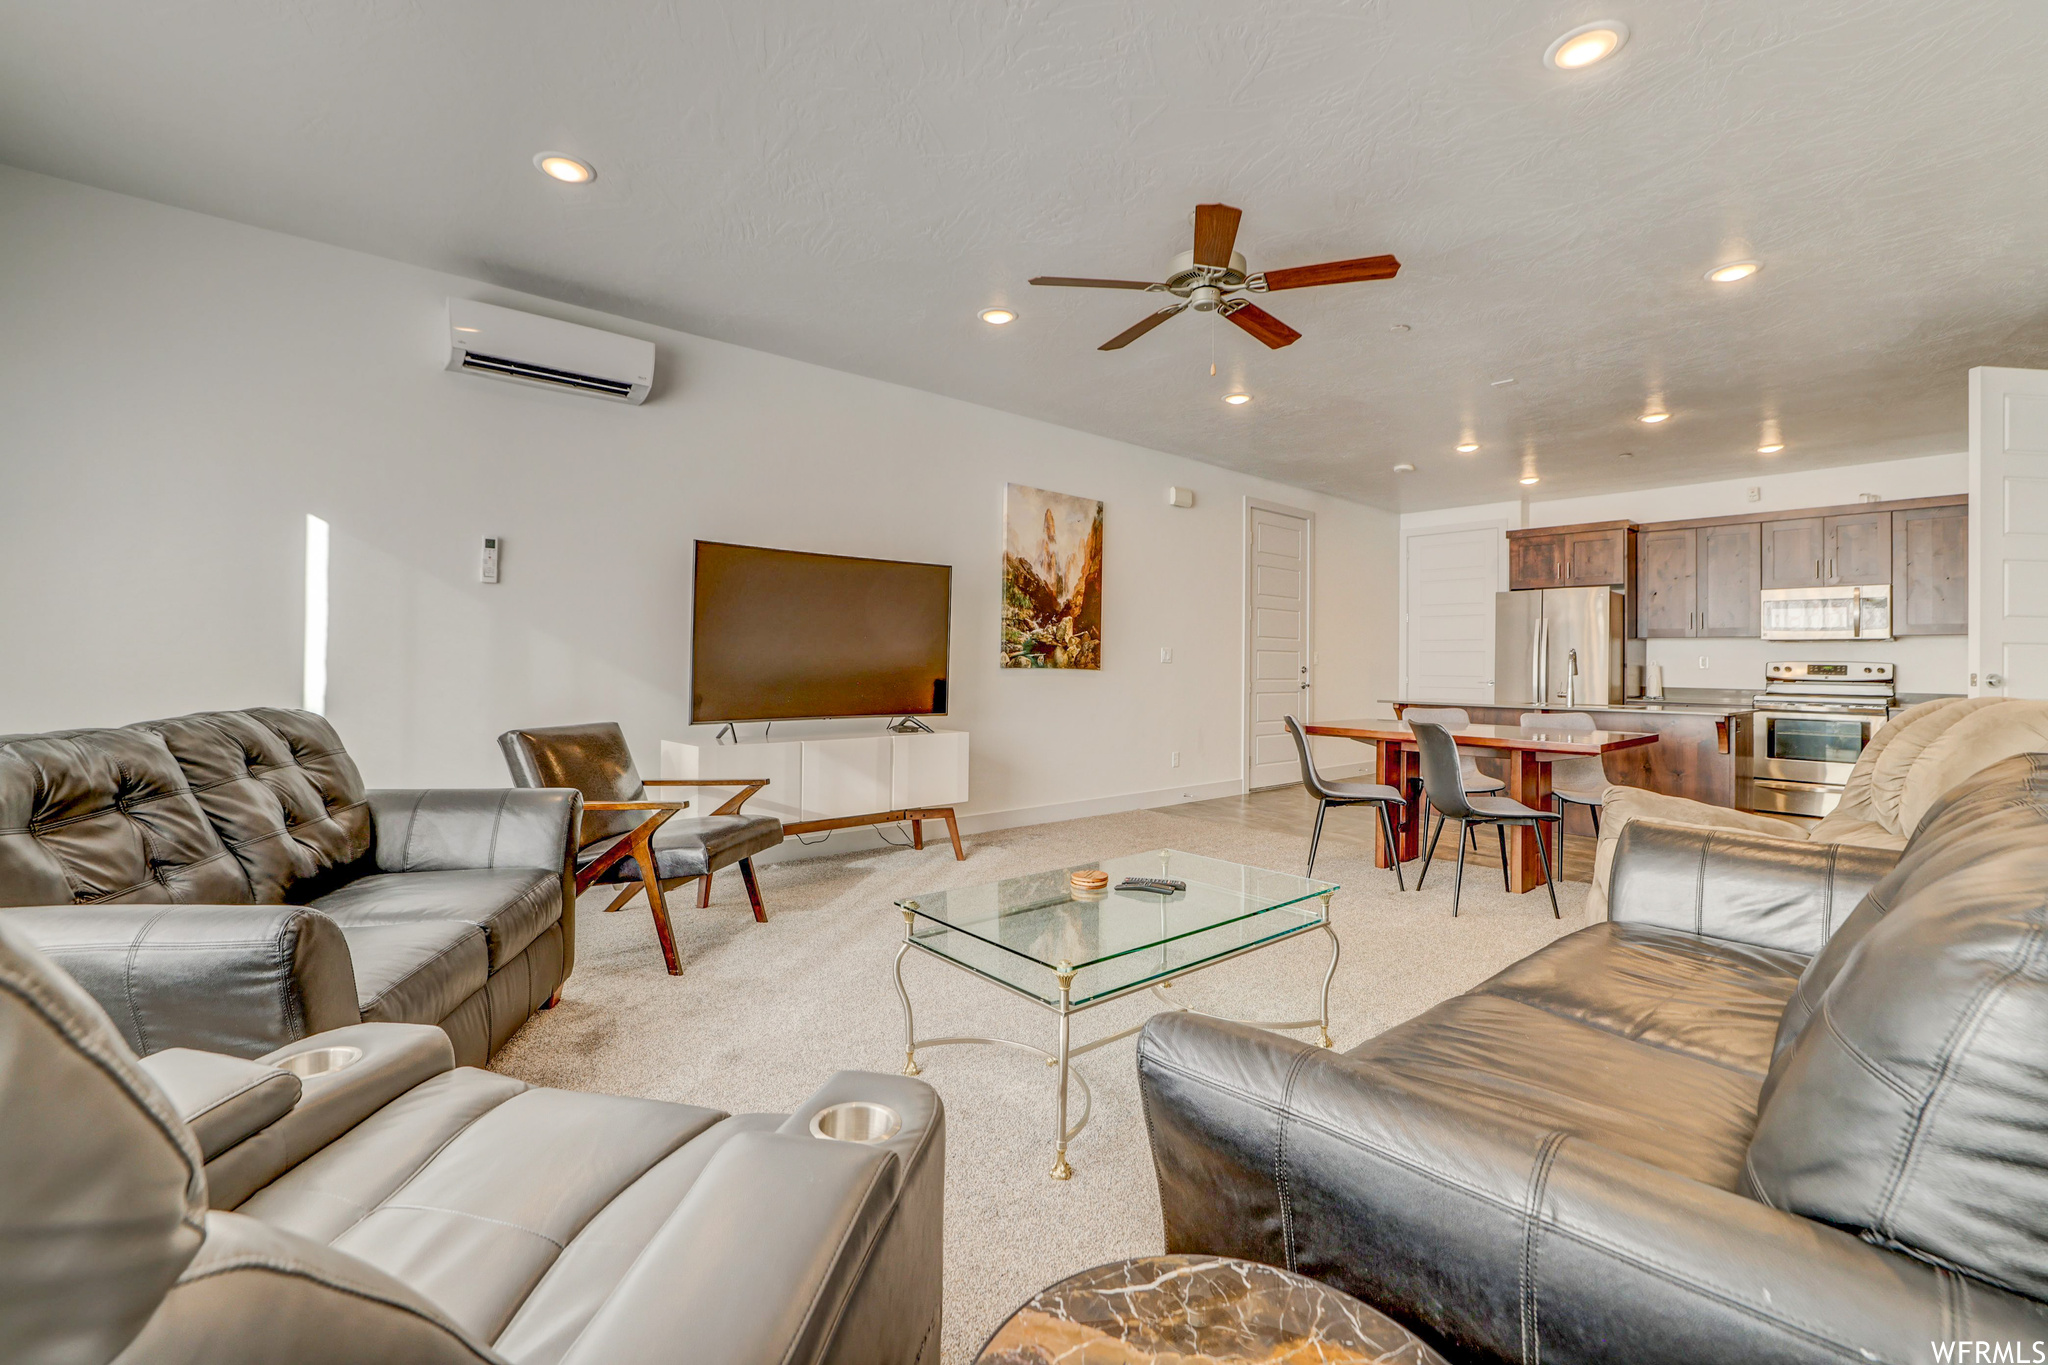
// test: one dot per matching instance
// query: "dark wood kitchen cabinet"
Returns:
(1931, 566)
(1667, 574)
(1535, 560)
(1795, 552)
(1859, 548)
(1731, 570)
(1589, 556)
(1699, 581)
(1593, 558)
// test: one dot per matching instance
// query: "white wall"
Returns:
(1926, 663)
(177, 393)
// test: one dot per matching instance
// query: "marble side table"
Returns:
(1198, 1310)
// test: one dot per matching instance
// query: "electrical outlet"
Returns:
(1703, 661)
(1176, 758)
(1165, 655)
(1756, 493)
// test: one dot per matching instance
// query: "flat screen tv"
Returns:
(786, 635)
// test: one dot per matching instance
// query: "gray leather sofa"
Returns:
(183, 842)
(193, 1207)
(1789, 1103)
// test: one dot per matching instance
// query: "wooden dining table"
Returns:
(1529, 754)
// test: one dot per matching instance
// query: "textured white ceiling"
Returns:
(849, 183)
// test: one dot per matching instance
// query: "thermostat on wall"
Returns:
(487, 567)
(1180, 497)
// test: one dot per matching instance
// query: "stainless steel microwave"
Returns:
(1846, 613)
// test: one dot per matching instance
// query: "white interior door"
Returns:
(1276, 610)
(1447, 619)
(2009, 532)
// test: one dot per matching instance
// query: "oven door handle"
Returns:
(1779, 784)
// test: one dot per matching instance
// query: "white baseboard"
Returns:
(864, 838)
(982, 822)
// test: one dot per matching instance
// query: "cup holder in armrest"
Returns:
(856, 1121)
(319, 1061)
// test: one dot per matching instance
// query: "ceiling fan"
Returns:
(1207, 278)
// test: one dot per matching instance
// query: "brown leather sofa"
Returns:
(186, 841)
(192, 1208)
(1788, 1103)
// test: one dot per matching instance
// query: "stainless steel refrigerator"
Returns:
(1558, 647)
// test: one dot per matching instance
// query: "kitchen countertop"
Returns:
(1698, 701)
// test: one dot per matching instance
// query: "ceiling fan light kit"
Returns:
(1212, 276)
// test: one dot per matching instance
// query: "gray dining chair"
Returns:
(1328, 793)
(1580, 779)
(1444, 786)
(1454, 719)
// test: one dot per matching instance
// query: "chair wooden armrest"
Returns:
(635, 842)
(731, 807)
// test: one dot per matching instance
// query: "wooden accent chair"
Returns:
(630, 839)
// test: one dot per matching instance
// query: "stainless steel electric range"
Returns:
(1812, 721)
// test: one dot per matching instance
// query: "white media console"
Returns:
(841, 782)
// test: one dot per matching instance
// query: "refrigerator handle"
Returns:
(1539, 677)
(1856, 614)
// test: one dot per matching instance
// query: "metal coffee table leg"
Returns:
(910, 1066)
(1060, 1169)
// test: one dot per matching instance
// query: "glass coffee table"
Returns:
(1069, 950)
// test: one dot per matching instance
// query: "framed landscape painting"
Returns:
(1052, 579)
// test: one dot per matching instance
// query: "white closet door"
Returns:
(1278, 606)
(2009, 532)
(1447, 621)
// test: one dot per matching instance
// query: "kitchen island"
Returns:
(1701, 734)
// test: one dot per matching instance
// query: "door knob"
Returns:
(1994, 680)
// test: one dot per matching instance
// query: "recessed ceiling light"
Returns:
(1770, 447)
(1626, 455)
(1467, 447)
(1237, 400)
(1652, 418)
(1585, 45)
(1733, 271)
(1529, 479)
(996, 317)
(1404, 468)
(566, 169)
(1399, 327)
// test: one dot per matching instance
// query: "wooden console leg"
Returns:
(953, 829)
(704, 892)
(917, 833)
(753, 890)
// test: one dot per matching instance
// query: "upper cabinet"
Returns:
(1706, 578)
(1931, 568)
(1699, 581)
(1731, 574)
(1667, 572)
(1589, 556)
(1859, 548)
(1815, 552)
(1592, 558)
(1535, 560)
(1795, 553)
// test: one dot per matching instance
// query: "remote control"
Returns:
(1158, 886)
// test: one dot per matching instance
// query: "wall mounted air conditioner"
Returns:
(502, 343)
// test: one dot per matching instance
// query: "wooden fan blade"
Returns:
(1334, 272)
(1131, 334)
(1215, 234)
(1261, 324)
(1069, 282)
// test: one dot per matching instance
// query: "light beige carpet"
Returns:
(764, 1012)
